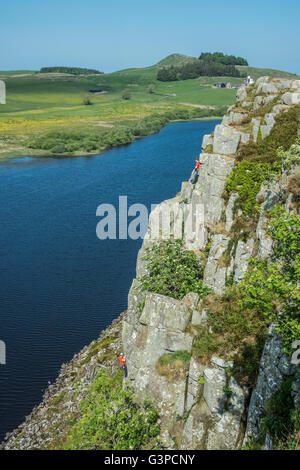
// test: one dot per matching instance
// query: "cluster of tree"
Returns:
(199, 68)
(221, 58)
(72, 70)
(209, 64)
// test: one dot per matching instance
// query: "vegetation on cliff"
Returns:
(272, 288)
(173, 271)
(281, 421)
(112, 420)
(262, 161)
(269, 292)
(246, 180)
(174, 366)
(283, 135)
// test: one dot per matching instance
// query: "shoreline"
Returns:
(4, 157)
(56, 397)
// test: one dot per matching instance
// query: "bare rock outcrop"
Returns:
(274, 366)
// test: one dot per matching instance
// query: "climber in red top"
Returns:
(122, 359)
(123, 366)
(195, 172)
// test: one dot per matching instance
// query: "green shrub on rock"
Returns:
(272, 287)
(232, 328)
(174, 366)
(247, 177)
(246, 180)
(283, 134)
(112, 420)
(281, 420)
(173, 271)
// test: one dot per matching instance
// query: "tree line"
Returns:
(71, 70)
(221, 58)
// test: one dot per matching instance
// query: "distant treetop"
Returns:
(221, 58)
(71, 70)
(208, 64)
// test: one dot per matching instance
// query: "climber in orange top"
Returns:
(123, 366)
(195, 172)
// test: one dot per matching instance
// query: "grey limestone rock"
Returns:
(271, 374)
(207, 140)
(230, 211)
(214, 273)
(243, 253)
(214, 171)
(214, 383)
(241, 94)
(290, 98)
(226, 140)
(255, 128)
(295, 85)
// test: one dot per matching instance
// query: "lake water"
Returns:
(60, 285)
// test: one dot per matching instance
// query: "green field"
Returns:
(40, 103)
(12, 73)
(257, 72)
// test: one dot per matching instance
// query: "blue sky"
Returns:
(117, 34)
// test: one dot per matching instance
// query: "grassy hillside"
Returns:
(175, 59)
(257, 72)
(40, 103)
(12, 73)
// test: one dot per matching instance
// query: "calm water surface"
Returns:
(60, 285)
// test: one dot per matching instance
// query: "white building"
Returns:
(2, 92)
(250, 80)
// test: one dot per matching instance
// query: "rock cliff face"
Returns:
(274, 367)
(204, 405)
(156, 324)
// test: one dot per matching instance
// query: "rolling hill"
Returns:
(255, 72)
(175, 59)
(41, 103)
